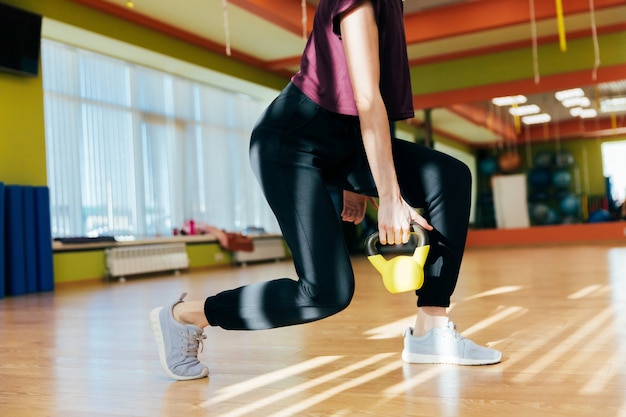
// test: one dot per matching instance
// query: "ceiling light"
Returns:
(535, 119)
(576, 102)
(575, 111)
(524, 110)
(611, 105)
(565, 94)
(130, 4)
(509, 100)
(588, 113)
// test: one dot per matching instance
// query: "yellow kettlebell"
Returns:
(401, 273)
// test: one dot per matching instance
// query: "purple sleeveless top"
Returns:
(324, 76)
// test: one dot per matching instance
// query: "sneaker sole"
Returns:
(451, 360)
(155, 325)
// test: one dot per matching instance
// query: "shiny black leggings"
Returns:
(297, 151)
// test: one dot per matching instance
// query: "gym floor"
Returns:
(558, 314)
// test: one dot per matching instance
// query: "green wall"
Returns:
(91, 264)
(22, 142)
(588, 161)
(79, 265)
(507, 66)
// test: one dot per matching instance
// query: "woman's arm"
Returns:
(360, 39)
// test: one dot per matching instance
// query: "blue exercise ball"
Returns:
(543, 159)
(599, 216)
(539, 178)
(564, 159)
(538, 196)
(561, 178)
(569, 204)
(543, 214)
(488, 166)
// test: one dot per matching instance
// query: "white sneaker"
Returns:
(178, 344)
(446, 345)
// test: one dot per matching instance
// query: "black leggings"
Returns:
(297, 151)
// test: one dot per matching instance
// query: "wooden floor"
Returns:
(557, 313)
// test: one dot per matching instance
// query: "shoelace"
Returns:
(194, 341)
(452, 327)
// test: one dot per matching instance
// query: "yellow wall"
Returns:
(82, 265)
(588, 161)
(207, 254)
(78, 266)
(22, 142)
(517, 64)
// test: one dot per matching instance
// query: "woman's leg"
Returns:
(441, 185)
(286, 151)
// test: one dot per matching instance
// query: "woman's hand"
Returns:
(354, 206)
(394, 221)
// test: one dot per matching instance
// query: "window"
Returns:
(133, 151)
(613, 157)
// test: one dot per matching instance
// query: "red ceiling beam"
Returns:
(484, 15)
(574, 129)
(463, 18)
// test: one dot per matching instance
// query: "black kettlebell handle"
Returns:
(419, 237)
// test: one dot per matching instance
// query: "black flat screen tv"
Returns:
(20, 40)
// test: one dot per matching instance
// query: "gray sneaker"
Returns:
(446, 345)
(178, 344)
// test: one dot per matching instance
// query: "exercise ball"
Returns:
(569, 204)
(543, 159)
(539, 178)
(598, 216)
(570, 220)
(509, 161)
(564, 159)
(538, 196)
(543, 214)
(561, 178)
(488, 166)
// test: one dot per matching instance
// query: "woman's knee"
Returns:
(330, 301)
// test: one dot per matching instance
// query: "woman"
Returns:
(330, 127)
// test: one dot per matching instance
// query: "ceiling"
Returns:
(269, 34)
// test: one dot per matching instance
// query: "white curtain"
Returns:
(132, 151)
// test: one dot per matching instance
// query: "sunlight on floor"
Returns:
(564, 346)
(263, 380)
(329, 377)
(504, 313)
(331, 392)
(496, 291)
(585, 292)
(391, 330)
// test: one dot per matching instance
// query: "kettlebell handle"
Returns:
(418, 233)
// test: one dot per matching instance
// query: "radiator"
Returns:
(265, 249)
(133, 260)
